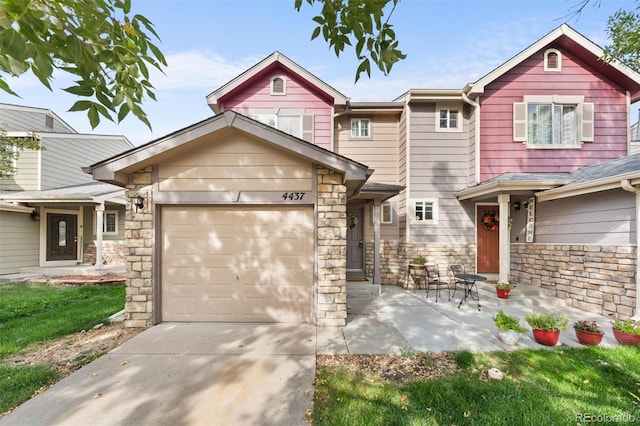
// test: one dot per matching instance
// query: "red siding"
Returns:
(500, 154)
(299, 95)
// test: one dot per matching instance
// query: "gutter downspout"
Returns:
(476, 113)
(626, 185)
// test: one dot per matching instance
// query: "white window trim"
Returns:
(368, 128)
(521, 122)
(546, 58)
(104, 222)
(382, 207)
(449, 107)
(434, 202)
(284, 86)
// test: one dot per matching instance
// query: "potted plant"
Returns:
(588, 332)
(417, 269)
(509, 328)
(546, 326)
(626, 332)
(503, 289)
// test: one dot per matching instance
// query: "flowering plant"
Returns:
(501, 285)
(590, 326)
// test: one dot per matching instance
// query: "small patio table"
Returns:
(469, 281)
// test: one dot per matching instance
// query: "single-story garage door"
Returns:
(240, 264)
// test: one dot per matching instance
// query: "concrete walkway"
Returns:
(400, 321)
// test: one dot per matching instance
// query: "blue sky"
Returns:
(208, 42)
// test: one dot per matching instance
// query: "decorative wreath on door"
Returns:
(352, 220)
(490, 221)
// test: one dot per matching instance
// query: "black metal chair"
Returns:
(434, 281)
(456, 269)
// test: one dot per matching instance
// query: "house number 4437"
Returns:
(293, 196)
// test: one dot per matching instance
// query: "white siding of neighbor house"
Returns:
(606, 217)
(17, 118)
(65, 155)
(236, 163)
(26, 177)
(440, 163)
(20, 242)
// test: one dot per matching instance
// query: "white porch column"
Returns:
(99, 228)
(376, 241)
(505, 240)
(626, 185)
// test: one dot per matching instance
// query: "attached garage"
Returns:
(230, 220)
(250, 264)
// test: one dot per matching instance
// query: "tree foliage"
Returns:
(344, 22)
(10, 147)
(107, 50)
(623, 29)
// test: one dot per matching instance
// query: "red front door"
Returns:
(488, 231)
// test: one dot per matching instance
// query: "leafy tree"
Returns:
(97, 41)
(624, 30)
(10, 148)
(343, 22)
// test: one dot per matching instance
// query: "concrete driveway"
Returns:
(188, 374)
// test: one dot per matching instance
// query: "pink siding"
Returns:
(300, 95)
(500, 154)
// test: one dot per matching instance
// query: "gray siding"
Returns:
(606, 217)
(30, 119)
(20, 242)
(402, 175)
(64, 157)
(440, 166)
(26, 176)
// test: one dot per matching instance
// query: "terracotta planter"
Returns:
(626, 338)
(589, 338)
(503, 294)
(546, 337)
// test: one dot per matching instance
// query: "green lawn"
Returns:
(37, 313)
(541, 387)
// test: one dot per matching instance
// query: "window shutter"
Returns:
(587, 119)
(307, 128)
(520, 121)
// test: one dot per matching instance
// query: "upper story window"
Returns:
(425, 211)
(553, 121)
(552, 60)
(449, 118)
(48, 121)
(278, 86)
(291, 121)
(360, 128)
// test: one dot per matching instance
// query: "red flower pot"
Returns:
(589, 338)
(626, 338)
(503, 294)
(546, 337)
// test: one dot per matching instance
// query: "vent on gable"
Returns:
(278, 86)
(552, 60)
(48, 121)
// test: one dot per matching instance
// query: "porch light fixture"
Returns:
(35, 215)
(516, 206)
(139, 201)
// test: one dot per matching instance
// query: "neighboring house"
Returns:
(262, 212)
(49, 208)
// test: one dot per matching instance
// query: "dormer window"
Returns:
(552, 60)
(278, 86)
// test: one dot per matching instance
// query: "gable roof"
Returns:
(568, 38)
(91, 192)
(44, 111)
(275, 58)
(116, 169)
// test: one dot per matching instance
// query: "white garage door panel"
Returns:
(251, 264)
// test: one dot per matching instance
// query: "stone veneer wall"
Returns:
(113, 252)
(395, 257)
(139, 234)
(332, 250)
(594, 278)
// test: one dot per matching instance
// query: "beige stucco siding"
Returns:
(20, 244)
(238, 163)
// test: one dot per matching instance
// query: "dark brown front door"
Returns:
(355, 243)
(488, 220)
(62, 236)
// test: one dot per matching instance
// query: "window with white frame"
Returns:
(553, 121)
(291, 121)
(552, 60)
(360, 128)
(449, 118)
(425, 211)
(386, 213)
(278, 86)
(109, 222)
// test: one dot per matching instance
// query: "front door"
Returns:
(62, 236)
(355, 242)
(488, 231)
